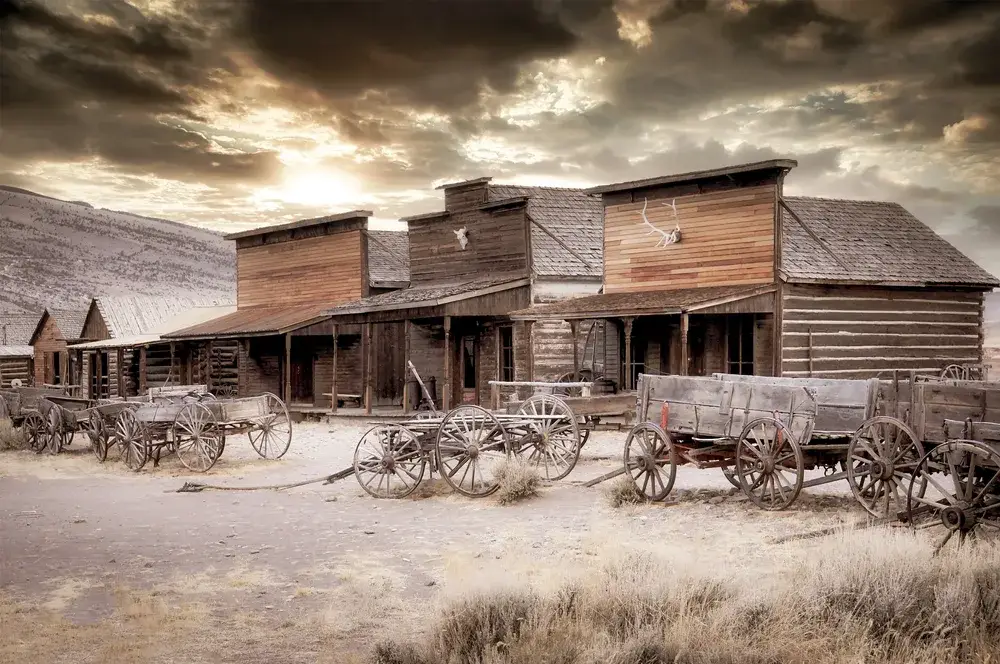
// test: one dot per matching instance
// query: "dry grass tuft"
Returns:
(518, 481)
(623, 491)
(878, 596)
(11, 438)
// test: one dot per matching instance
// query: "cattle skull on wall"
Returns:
(463, 237)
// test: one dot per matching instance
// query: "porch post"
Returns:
(529, 327)
(574, 327)
(288, 368)
(628, 354)
(368, 369)
(142, 370)
(333, 383)
(120, 371)
(208, 366)
(170, 372)
(406, 365)
(685, 351)
(79, 373)
(446, 398)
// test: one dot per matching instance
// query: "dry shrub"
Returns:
(623, 491)
(518, 481)
(871, 597)
(11, 438)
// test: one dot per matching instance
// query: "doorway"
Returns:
(98, 379)
(470, 369)
(302, 375)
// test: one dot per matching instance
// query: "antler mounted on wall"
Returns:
(666, 237)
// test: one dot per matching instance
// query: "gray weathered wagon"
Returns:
(33, 410)
(466, 447)
(196, 427)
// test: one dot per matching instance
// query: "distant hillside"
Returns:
(59, 254)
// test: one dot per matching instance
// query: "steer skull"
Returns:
(463, 237)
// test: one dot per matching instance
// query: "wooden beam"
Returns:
(574, 327)
(529, 327)
(406, 363)
(170, 373)
(333, 383)
(446, 397)
(685, 346)
(208, 365)
(368, 361)
(628, 354)
(287, 396)
(142, 370)
(120, 370)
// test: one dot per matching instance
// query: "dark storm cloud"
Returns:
(76, 89)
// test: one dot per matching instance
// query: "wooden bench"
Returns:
(342, 399)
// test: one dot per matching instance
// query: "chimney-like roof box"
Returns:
(361, 215)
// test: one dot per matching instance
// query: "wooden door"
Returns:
(388, 372)
(99, 386)
(302, 376)
(468, 353)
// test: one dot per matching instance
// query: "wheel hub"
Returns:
(648, 462)
(389, 463)
(472, 451)
(881, 470)
(767, 466)
(955, 518)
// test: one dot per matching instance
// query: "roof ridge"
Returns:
(582, 190)
(842, 200)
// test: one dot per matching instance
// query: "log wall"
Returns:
(861, 332)
(50, 340)
(19, 368)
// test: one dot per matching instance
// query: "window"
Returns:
(469, 363)
(507, 354)
(637, 362)
(740, 341)
(56, 369)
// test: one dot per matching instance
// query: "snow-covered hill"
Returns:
(59, 254)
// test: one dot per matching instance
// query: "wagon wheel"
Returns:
(552, 442)
(34, 429)
(882, 456)
(66, 438)
(97, 430)
(388, 461)
(955, 372)
(965, 494)
(4, 410)
(271, 434)
(769, 464)
(197, 437)
(650, 460)
(471, 444)
(130, 436)
(730, 473)
(53, 429)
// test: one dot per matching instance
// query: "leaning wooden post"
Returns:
(333, 382)
(685, 351)
(574, 327)
(446, 397)
(628, 354)
(406, 363)
(288, 368)
(142, 370)
(369, 360)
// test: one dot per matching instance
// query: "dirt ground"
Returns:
(98, 564)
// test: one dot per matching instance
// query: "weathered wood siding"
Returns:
(427, 355)
(51, 340)
(94, 328)
(464, 197)
(12, 368)
(497, 244)
(260, 366)
(860, 332)
(727, 238)
(316, 270)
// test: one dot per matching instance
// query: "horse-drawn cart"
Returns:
(34, 411)
(195, 427)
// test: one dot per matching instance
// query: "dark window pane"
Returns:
(469, 361)
(507, 353)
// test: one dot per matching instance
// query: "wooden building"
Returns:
(492, 250)
(56, 329)
(719, 271)
(288, 276)
(16, 352)
(124, 353)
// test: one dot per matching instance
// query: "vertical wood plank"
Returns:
(121, 372)
(369, 360)
(288, 368)
(809, 351)
(574, 327)
(628, 354)
(333, 383)
(446, 398)
(685, 346)
(529, 327)
(142, 370)
(208, 365)
(173, 353)
(407, 334)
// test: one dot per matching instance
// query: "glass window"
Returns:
(507, 354)
(740, 336)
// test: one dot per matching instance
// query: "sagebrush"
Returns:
(623, 491)
(11, 438)
(876, 597)
(517, 481)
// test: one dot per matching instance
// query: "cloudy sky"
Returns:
(232, 113)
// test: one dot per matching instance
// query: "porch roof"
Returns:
(254, 322)
(17, 351)
(652, 303)
(431, 295)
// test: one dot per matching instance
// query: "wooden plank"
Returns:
(368, 361)
(628, 354)
(333, 378)
(408, 354)
(142, 370)
(446, 397)
(120, 372)
(685, 345)
(287, 378)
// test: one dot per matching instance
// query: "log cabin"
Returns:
(56, 330)
(493, 249)
(288, 276)
(16, 353)
(719, 271)
(125, 354)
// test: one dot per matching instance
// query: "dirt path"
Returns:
(100, 564)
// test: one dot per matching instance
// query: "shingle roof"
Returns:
(567, 236)
(182, 321)
(869, 242)
(388, 257)
(137, 315)
(431, 295)
(69, 321)
(16, 329)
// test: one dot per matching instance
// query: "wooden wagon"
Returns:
(466, 446)
(195, 428)
(33, 410)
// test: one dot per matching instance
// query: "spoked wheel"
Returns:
(131, 439)
(197, 437)
(388, 461)
(271, 434)
(53, 429)
(4, 410)
(882, 456)
(66, 438)
(97, 431)
(769, 464)
(471, 444)
(650, 460)
(730, 473)
(34, 429)
(553, 439)
(963, 492)
(955, 372)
